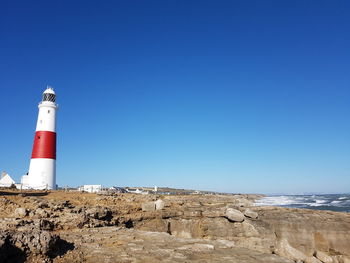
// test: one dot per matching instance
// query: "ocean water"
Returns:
(333, 202)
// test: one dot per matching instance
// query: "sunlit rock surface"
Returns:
(82, 227)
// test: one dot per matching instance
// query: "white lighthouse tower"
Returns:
(42, 168)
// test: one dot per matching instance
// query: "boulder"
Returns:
(148, 206)
(20, 212)
(41, 213)
(159, 204)
(324, 257)
(234, 215)
(101, 213)
(250, 213)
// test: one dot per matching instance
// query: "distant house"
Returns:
(6, 180)
(137, 191)
(91, 188)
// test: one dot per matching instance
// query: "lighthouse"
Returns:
(42, 168)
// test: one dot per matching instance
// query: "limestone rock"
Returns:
(250, 213)
(159, 204)
(214, 212)
(185, 228)
(234, 215)
(148, 206)
(312, 260)
(20, 212)
(192, 213)
(188, 223)
(323, 257)
(131, 245)
(197, 247)
(242, 202)
(286, 250)
(101, 213)
(41, 213)
(46, 225)
(222, 243)
(36, 242)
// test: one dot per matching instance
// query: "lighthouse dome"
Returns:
(49, 94)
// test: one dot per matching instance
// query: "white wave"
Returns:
(336, 202)
(317, 204)
(306, 201)
(278, 201)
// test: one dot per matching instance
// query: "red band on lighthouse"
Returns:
(44, 145)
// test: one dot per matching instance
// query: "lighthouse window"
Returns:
(49, 97)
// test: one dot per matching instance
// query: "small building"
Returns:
(91, 188)
(137, 191)
(25, 182)
(6, 180)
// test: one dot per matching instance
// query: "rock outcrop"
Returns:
(20, 212)
(18, 246)
(61, 227)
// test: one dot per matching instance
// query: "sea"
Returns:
(332, 202)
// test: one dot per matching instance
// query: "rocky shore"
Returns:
(80, 227)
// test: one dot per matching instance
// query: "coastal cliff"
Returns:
(81, 227)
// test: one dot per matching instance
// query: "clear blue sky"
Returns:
(235, 96)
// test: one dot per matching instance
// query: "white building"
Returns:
(137, 191)
(6, 180)
(91, 188)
